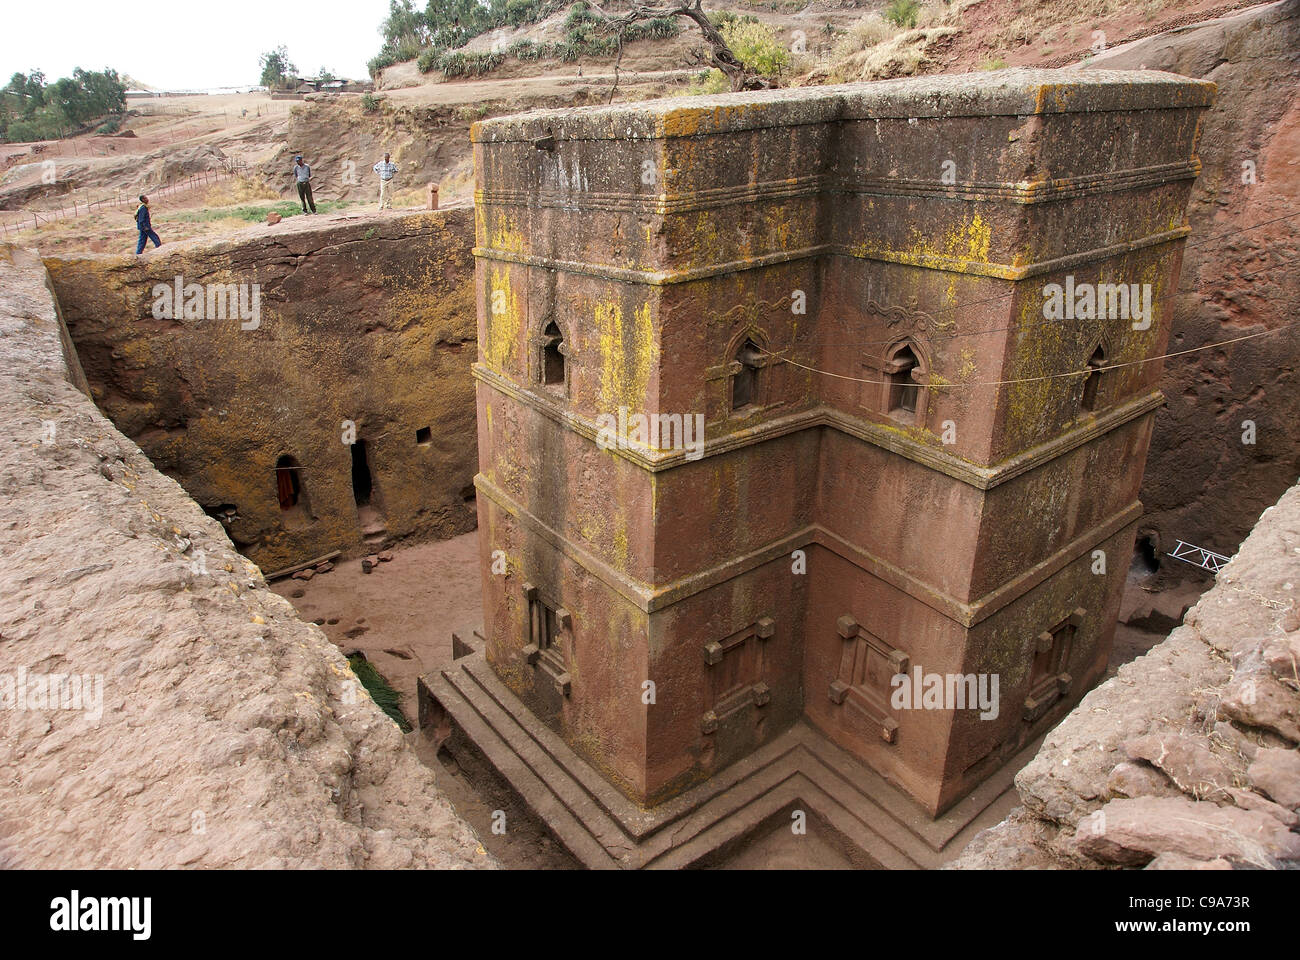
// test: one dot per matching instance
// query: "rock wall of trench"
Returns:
(1188, 757)
(367, 320)
(1240, 276)
(213, 727)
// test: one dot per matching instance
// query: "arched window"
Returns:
(1092, 380)
(292, 493)
(903, 389)
(744, 378)
(287, 482)
(552, 355)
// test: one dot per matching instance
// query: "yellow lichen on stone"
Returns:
(504, 320)
(628, 354)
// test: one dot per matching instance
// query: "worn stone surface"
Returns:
(365, 320)
(1138, 780)
(1191, 762)
(1204, 706)
(1276, 774)
(1260, 700)
(1133, 832)
(1020, 842)
(1177, 861)
(227, 733)
(1250, 800)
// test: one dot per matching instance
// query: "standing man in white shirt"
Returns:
(386, 170)
(302, 174)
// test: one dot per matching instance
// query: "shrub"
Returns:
(407, 48)
(428, 60)
(709, 81)
(660, 28)
(378, 62)
(526, 50)
(580, 14)
(398, 51)
(457, 64)
(756, 46)
(725, 17)
(902, 13)
(369, 102)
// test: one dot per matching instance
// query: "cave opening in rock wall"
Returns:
(363, 484)
(370, 511)
(1146, 558)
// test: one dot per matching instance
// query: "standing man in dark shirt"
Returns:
(302, 173)
(143, 224)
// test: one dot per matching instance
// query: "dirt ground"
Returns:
(402, 615)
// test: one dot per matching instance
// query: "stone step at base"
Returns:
(872, 823)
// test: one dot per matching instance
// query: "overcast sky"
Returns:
(184, 44)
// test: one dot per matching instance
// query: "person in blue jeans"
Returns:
(144, 226)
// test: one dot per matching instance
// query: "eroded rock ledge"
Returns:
(1187, 758)
(230, 734)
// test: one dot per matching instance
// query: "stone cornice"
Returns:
(1019, 192)
(1017, 92)
(999, 271)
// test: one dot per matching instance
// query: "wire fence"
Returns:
(72, 207)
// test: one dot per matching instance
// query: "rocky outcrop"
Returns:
(364, 331)
(159, 707)
(1225, 445)
(1188, 757)
(127, 175)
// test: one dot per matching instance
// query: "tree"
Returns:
(276, 68)
(32, 110)
(29, 91)
(105, 89)
(404, 21)
(69, 98)
(721, 56)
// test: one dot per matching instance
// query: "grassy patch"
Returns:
(389, 700)
(253, 213)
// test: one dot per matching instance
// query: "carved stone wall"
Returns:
(903, 452)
